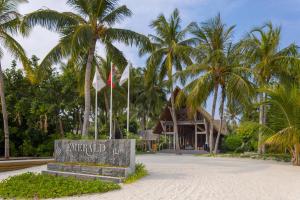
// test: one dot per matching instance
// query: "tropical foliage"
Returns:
(35, 186)
(255, 80)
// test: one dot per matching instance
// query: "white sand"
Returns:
(188, 177)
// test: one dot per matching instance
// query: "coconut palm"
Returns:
(217, 66)
(10, 25)
(283, 128)
(234, 84)
(91, 22)
(268, 61)
(284, 119)
(170, 50)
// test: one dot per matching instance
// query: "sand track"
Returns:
(188, 177)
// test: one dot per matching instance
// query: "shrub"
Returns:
(232, 142)
(249, 137)
(30, 185)
(140, 172)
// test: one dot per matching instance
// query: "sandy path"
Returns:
(188, 177)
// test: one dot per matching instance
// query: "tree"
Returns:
(9, 26)
(284, 119)
(148, 98)
(218, 66)
(170, 50)
(268, 62)
(283, 127)
(80, 32)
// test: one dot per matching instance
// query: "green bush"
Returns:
(249, 137)
(30, 185)
(232, 142)
(140, 172)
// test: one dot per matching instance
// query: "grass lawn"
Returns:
(276, 157)
(30, 185)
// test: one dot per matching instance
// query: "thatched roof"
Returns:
(165, 114)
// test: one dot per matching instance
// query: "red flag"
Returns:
(111, 79)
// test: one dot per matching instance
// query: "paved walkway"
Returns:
(187, 177)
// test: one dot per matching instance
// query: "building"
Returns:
(193, 133)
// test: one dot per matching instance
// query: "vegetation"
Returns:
(140, 172)
(30, 185)
(169, 50)
(10, 25)
(253, 155)
(254, 78)
(80, 31)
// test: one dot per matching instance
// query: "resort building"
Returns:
(193, 133)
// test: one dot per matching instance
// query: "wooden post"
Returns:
(195, 122)
(206, 130)
(196, 137)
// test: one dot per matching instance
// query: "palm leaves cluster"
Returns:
(203, 58)
(217, 67)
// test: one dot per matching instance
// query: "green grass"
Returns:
(140, 172)
(276, 157)
(30, 185)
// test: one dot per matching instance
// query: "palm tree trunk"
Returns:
(296, 155)
(5, 116)
(174, 118)
(261, 122)
(221, 122)
(87, 88)
(211, 133)
(61, 127)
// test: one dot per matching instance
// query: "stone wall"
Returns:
(107, 152)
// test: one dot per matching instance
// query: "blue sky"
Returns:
(245, 14)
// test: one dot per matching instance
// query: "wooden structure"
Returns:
(193, 133)
(149, 140)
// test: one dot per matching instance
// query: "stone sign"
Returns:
(107, 152)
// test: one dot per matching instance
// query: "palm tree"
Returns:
(170, 50)
(283, 128)
(268, 62)
(10, 25)
(209, 73)
(80, 31)
(285, 123)
(235, 86)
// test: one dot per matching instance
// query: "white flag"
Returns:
(98, 83)
(124, 76)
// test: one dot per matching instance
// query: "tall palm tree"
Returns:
(170, 50)
(235, 85)
(268, 61)
(213, 38)
(91, 23)
(10, 25)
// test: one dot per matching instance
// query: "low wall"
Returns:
(107, 152)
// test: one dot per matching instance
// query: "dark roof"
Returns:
(165, 114)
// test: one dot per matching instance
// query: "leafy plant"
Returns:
(30, 185)
(232, 142)
(140, 172)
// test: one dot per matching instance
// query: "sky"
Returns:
(245, 14)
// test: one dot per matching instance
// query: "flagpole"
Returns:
(110, 117)
(96, 111)
(128, 101)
